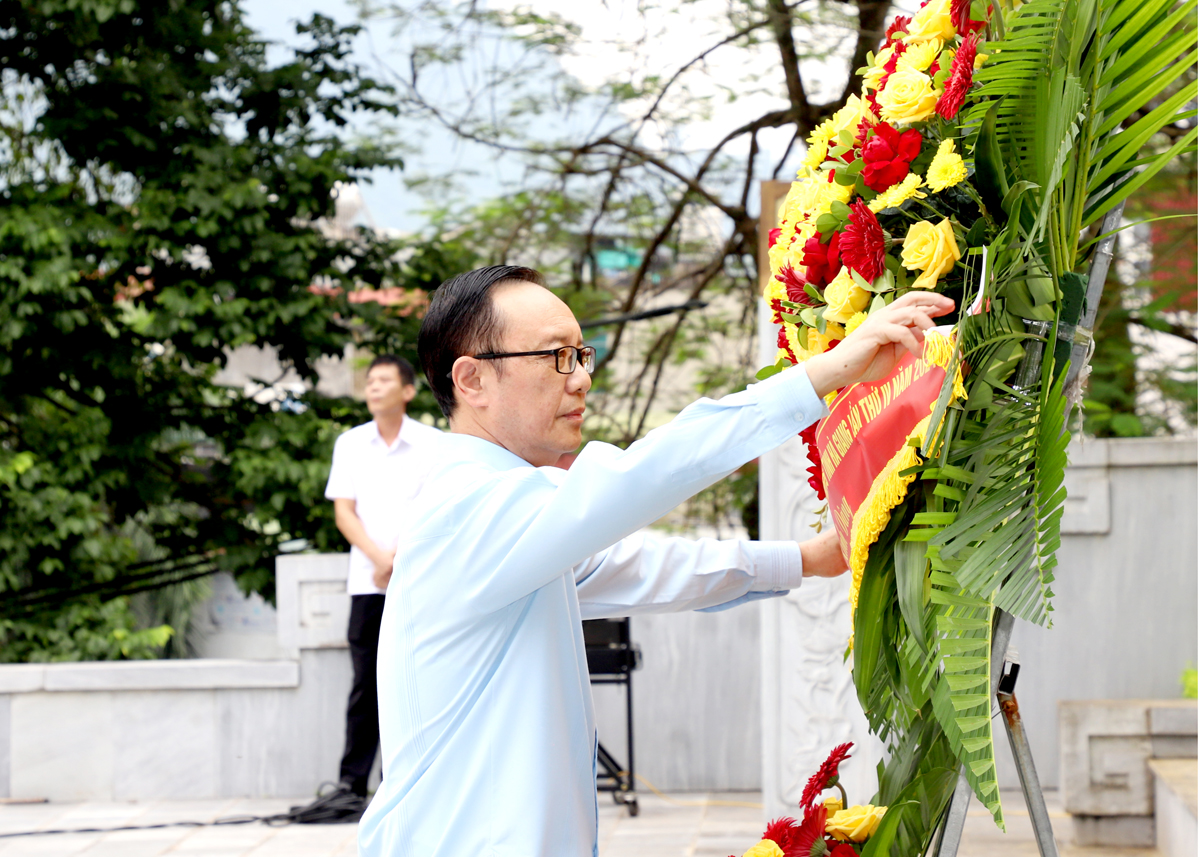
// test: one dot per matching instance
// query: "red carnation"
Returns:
(794, 284)
(841, 849)
(772, 237)
(810, 838)
(862, 242)
(962, 72)
(822, 261)
(960, 14)
(887, 154)
(826, 776)
(900, 25)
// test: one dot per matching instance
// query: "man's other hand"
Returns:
(822, 556)
(874, 349)
(383, 568)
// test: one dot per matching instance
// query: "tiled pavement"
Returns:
(682, 825)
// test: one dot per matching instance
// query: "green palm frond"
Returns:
(1077, 90)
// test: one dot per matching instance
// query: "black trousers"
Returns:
(362, 711)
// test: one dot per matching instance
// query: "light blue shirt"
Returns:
(485, 707)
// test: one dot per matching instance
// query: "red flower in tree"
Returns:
(822, 261)
(960, 14)
(810, 837)
(862, 242)
(962, 72)
(826, 776)
(887, 154)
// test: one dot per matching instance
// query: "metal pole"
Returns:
(1035, 801)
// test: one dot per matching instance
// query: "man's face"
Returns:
(386, 390)
(527, 405)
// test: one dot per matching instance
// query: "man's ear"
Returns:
(469, 387)
(408, 392)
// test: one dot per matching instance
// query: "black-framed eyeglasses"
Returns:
(565, 358)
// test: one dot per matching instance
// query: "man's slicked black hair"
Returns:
(462, 319)
(408, 375)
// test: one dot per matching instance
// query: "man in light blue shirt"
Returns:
(486, 720)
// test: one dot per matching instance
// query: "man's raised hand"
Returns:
(872, 351)
(822, 556)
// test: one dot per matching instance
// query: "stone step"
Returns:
(1174, 806)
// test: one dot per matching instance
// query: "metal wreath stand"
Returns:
(1005, 666)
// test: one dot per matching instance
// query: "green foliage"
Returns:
(1188, 682)
(165, 194)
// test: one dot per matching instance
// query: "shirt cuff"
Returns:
(778, 566)
(789, 399)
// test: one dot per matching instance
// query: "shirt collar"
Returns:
(470, 448)
(400, 436)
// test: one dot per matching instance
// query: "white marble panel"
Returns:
(5, 743)
(310, 594)
(64, 746)
(198, 674)
(22, 678)
(165, 745)
(1087, 509)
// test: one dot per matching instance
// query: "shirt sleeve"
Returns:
(546, 521)
(341, 478)
(644, 573)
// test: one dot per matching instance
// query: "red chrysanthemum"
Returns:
(772, 237)
(900, 25)
(794, 284)
(862, 242)
(785, 833)
(810, 838)
(826, 775)
(962, 72)
(960, 14)
(822, 261)
(887, 154)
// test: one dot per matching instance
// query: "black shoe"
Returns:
(340, 806)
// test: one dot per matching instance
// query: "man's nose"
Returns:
(579, 381)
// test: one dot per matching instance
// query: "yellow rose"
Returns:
(855, 824)
(930, 249)
(818, 342)
(765, 848)
(833, 805)
(932, 22)
(921, 56)
(908, 97)
(844, 297)
(847, 117)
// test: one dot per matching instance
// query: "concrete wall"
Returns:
(1126, 590)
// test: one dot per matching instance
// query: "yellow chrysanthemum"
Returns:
(947, 168)
(855, 322)
(909, 188)
(818, 145)
(920, 57)
(875, 73)
(775, 290)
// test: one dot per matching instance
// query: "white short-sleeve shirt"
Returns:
(385, 484)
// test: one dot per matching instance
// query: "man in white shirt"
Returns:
(486, 720)
(374, 483)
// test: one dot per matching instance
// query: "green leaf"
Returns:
(910, 587)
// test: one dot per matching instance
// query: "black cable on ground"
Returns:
(338, 807)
